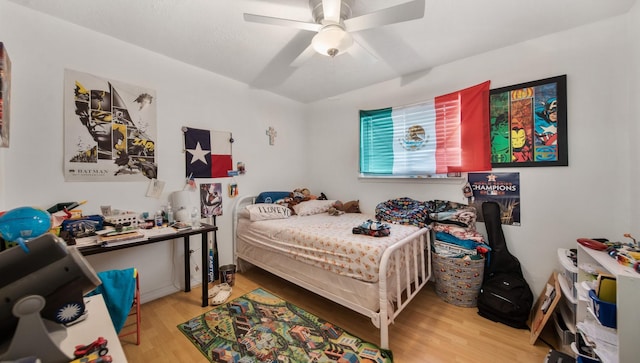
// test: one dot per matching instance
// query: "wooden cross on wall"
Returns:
(271, 132)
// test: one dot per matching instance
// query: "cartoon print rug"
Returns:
(262, 327)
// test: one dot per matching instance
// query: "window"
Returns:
(449, 134)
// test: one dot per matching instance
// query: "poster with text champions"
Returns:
(502, 188)
(109, 130)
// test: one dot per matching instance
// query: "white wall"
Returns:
(41, 47)
(589, 198)
(634, 114)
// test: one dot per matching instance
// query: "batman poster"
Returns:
(109, 130)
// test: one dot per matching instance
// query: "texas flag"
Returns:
(208, 153)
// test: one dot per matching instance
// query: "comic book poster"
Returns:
(529, 124)
(210, 200)
(5, 95)
(109, 130)
(502, 188)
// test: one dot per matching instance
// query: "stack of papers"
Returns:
(87, 241)
(110, 238)
(157, 232)
(116, 238)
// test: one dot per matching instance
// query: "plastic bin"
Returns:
(565, 335)
(458, 280)
(569, 271)
(604, 311)
(228, 274)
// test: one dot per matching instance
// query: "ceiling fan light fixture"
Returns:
(332, 40)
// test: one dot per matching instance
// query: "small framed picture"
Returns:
(233, 190)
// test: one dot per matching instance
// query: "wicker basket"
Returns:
(458, 281)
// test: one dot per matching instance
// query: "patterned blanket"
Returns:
(454, 218)
(325, 241)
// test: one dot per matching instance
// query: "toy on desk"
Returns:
(63, 211)
(23, 224)
(99, 345)
(93, 358)
(67, 206)
(628, 235)
(626, 254)
(592, 243)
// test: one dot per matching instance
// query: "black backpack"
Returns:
(504, 296)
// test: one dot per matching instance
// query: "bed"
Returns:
(374, 276)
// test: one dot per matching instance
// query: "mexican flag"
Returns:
(446, 134)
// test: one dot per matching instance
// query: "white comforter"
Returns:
(325, 241)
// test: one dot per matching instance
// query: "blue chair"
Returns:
(121, 292)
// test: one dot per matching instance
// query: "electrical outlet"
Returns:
(195, 273)
(195, 269)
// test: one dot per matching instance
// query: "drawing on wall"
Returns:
(502, 188)
(210, 200)
(529, 124)
(5, 95)
(109, 130)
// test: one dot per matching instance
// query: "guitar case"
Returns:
(505, 296)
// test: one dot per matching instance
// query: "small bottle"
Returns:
(158, 218)
(195, 217)
(169, 214)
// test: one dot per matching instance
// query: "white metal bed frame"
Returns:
(417, 274)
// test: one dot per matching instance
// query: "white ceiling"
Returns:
(211, 34)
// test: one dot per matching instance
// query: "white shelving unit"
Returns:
(628, 302)
(565, 319)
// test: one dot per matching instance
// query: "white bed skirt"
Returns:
(358, 292)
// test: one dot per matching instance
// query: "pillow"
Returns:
(313, 206)
(271, 197)
(265, 211)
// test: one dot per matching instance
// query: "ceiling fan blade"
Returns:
(395, 14)
(331, 10)
(282, 22)
(390, 49)
(278, 70)
(303, 57)
(362, 51)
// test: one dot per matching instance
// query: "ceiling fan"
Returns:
(334, 25)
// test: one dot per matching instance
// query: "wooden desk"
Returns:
(96, 324)
(203, 230)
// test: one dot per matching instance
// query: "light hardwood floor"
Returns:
(429, 330)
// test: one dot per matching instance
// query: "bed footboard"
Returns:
(408, 275)
(417, 272)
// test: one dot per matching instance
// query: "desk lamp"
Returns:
(182, 205)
